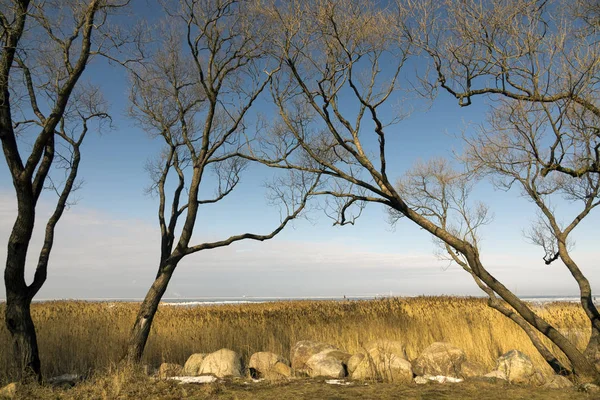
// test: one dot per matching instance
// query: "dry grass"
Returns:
(85, 337)
(124, 386)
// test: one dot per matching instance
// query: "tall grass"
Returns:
(83, 337)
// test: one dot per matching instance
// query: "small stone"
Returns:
(496, 375)
(282, 369)
(10, 390)
(589, 388)
(558, 382)
(421, 380)
(167, 370)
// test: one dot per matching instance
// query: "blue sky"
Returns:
(107, 244)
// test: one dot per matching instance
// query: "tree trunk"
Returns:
(18, 295)
(22, 330)
(582, 367)
(141, 329)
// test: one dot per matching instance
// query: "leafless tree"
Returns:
(341, 63)
(540, 63)
(197, 101)
(45, 49)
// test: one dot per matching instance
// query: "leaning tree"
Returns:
(195, 95)
(340, 77)
(45, 114)
(539, 62)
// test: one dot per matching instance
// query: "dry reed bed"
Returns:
(83, 337)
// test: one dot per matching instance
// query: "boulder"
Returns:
(282, 369)
(496, 375)
(387, 346)
(305, 349)
(222, 363)
(440, 358)
(262, 362)
(386, 366)
(9, 391)
(589, 388)
(472, 369)
(339, 354)
(192, 365)
(558, 382)
(354, 361)
(65, 381)
(325, 364)
(278, 372)
(273, 376)
(517, 367)
(167, 370)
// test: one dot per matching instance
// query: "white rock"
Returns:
(337, 382)
(194, 379)
(443, 378)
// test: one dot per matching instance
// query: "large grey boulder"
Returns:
(262, 362)
(440, 358)
(383, 365)
(517, 367)
(222, 363)
(192, 365)
(325, 364)
(305, 349)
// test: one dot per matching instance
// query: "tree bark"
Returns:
(582, 367)
(143, 321)
(22, 330)
(586, 299)
(18, 296)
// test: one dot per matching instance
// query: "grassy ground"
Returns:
(113, 388)
(87, 337)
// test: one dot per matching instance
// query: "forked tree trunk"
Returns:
(18, 297)
(143, 321)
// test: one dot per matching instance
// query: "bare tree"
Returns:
(540, 63)
(45, 49)
(340, 67)
(197, 100)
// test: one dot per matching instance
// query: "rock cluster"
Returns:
(381, 360)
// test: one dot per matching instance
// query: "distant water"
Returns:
(245, 300)
(206, 301)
